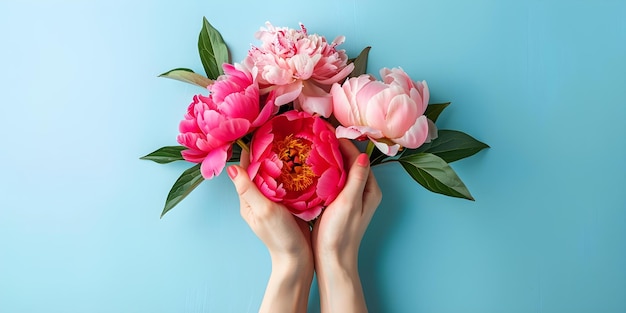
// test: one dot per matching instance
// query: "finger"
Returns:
(357, 178)
(247, 190)
(372, 196)
(349, 152)
(244, 158)
(305, 228)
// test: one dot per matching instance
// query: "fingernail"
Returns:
(232, 172)
(363, 160)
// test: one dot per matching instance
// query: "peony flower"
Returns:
(212, 123)
(299, 67)
(295, 160)
(389, 112)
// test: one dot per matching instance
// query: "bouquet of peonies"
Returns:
(287, 103)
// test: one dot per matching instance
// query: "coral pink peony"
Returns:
(299, 67)
(295, 160)
(212, 123)
(389, 112)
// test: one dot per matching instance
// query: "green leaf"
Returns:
(188, 76)
(435, 174)
(360, 63)
(165, 155)
(451, 145)
(186, 183)
(212, 49)
(433, 110)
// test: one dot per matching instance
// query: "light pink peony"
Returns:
(295, 160)
(388, 112)
(299, 67)
(212, 123)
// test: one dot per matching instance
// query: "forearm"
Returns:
(339, 285)
(288, 287)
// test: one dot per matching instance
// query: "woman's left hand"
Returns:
(285, 235)
(287, 238)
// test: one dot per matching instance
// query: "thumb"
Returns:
(357, 177)
(247, 190)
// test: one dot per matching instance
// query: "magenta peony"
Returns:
(388, 112)
(212, 123)
(299, 67)
(295, 160)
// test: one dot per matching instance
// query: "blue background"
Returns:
(542, 82)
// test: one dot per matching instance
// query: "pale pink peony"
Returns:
(212, 123)
(299, 67)
(295, 160)
(388, 112)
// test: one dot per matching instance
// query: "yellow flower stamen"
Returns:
(295, 175)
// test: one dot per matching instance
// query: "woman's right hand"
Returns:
(338, 232)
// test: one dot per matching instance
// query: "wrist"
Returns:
(339, 283)
(289, 284)
(340, 258)
(293, 265)
(337, 267)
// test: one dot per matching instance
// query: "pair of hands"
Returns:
(330, 248)
(340, 228)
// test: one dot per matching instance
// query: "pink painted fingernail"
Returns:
(232, 172)
(363, 160)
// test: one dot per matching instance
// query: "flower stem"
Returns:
(370, 148)
(243, 145)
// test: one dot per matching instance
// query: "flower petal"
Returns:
(432, 131)
(231, 129)
(310, 213)
(314, 100)
(354, 132)
(385, 148)
(392, 111)
(416, 135)
(267, 111)
(193, 155)
(337, 77)
(238, 105)
(214, 162)
(287, 93)
(327, 185)
(344, 110)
